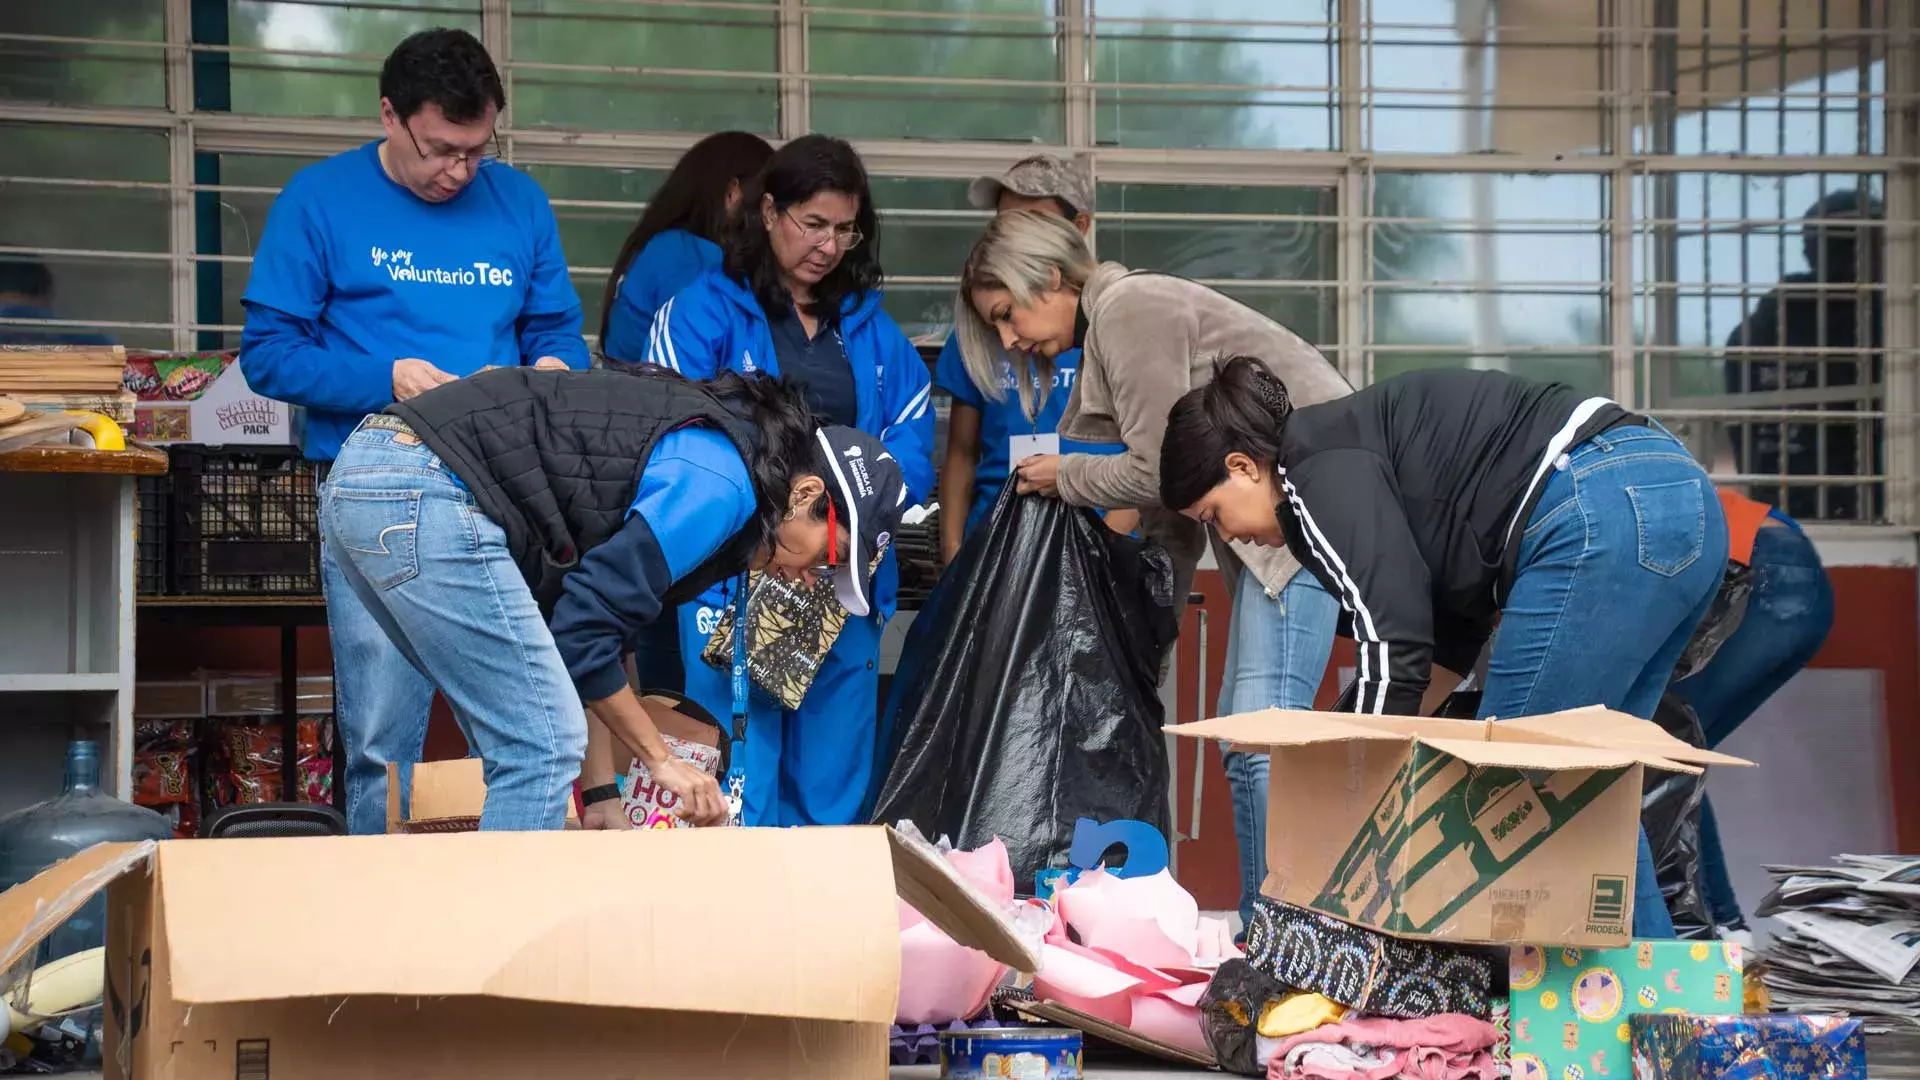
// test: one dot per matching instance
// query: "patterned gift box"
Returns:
(1748, 1048)
(1365, 970)
(1571, 1006)
(1502, 1038)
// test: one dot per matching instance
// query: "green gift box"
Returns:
(1570, 1006)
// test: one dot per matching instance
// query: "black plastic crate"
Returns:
(244, 522)
(153, 494)
(917, 548)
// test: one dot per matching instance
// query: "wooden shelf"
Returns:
(138, 459)
(58, 682)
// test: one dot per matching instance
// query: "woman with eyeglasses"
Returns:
(797, 296)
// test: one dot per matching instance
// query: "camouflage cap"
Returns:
(1038, 177)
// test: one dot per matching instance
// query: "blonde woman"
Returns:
(1031, 291)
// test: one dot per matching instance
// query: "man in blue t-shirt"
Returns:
(382, 273)
(985, 437)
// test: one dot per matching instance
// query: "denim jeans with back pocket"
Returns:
(433, 571)
(1619, 560)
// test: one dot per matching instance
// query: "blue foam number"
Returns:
(1146, 847)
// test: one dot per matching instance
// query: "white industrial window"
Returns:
(1609, 192)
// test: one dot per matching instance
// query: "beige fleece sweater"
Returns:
(1151, 338)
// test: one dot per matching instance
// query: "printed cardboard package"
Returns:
(1570, 1007)
(650, 806)
(1521, 830)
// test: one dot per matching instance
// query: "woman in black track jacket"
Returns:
(1434, 503)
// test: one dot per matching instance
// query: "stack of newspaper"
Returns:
(1848, 940)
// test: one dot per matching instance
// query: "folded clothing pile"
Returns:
(1135, 952)
(1320, 999)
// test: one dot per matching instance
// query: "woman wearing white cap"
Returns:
(513, 531)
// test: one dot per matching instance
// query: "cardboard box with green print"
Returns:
(1497, 832)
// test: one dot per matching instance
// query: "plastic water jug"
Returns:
(78, 818)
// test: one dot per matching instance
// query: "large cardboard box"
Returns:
(1500, 832)
(741, 953)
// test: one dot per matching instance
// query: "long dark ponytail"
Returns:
(692, 197)
(1243, 410)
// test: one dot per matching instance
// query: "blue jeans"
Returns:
(380, 702)
(433, 572)
(1621, 558)
(1788, 616)
(1277, 653)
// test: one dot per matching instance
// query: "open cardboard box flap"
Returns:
(33, 909)
(1590, 738)
(1492, 832)
(763, 922)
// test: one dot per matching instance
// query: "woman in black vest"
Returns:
(513, 531)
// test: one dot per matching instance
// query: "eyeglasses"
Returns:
(846, 237)
(472, 158)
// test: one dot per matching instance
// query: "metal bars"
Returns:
(1763, 69)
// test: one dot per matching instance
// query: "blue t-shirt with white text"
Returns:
(353, 272)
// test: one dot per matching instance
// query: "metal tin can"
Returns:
(1037, 1053)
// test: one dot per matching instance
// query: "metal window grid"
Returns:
(1649, 62)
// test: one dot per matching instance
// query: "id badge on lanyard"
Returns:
(1021, 447)
(736, 779)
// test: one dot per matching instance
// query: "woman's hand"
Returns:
(700, 801)
(605, 814)
(1039, 475)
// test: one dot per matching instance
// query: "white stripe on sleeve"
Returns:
(916, 406)
(660, 350)
(1371, 651)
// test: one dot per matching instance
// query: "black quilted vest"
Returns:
(555, 458)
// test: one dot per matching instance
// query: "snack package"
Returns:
(173, 376)
(244, 758)
(163, 761)
(650, 806)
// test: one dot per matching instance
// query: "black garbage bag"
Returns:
(1230, 1015)
(1670, 812)
(1720, 621)
(1026, 696)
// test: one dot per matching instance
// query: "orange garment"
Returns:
(1744, 519)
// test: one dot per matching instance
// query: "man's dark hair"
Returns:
(448, 68)
(795, 173)
(26, 277)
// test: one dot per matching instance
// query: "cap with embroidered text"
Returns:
(868, 488)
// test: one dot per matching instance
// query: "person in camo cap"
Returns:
(987, 429)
